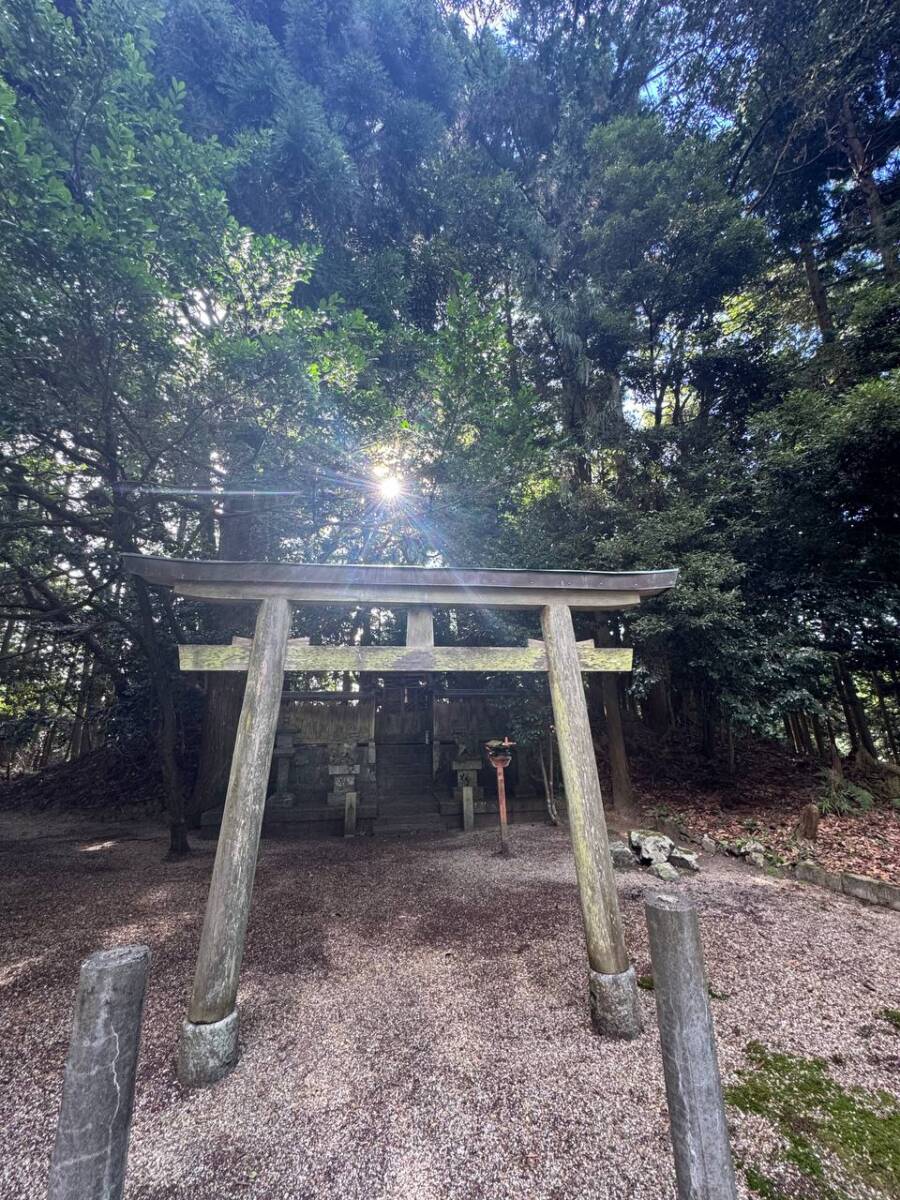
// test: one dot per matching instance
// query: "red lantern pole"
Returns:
(499, 754)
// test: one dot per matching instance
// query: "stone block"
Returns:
(873, 891)
(615, 1006)
(467, 764)
(811, 872)
(206, 1053)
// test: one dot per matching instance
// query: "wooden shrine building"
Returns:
(401, 794)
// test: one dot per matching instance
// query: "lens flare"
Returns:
(390, 487)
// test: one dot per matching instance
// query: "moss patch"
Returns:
(892, 1016)
(821, 1124)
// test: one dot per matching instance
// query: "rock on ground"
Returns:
(414, 1018)
(685, 859)
(664, 871)
(652, 847)
(622, 856)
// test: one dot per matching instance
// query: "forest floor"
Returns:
(762, 801)
(414, 1022)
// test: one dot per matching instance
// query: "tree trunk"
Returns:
(863, 173)
(224, 689)
(622, 790)
(549, 798)
(817, 292)
(167, 729)
(657, 708)
(862, 734)
(515, 381)
(889, 731)
(822, 748)
(82, 708)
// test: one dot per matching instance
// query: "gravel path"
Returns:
(414, 1017)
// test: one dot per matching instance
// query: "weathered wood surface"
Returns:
(248, 641)
(434, 594)
(414, 660)
(171, 571)
(317, 723)
(538, 643)
(90, 1154)
(228, 905)
(587, 824)
(703, 1165)
(420, 627)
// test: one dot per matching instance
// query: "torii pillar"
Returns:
(208, 1048)
(209, 1038)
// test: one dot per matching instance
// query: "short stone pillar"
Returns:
(467, 790)
(351, 803)
(344, 772)
(283, 753)
(91, 1150)
(703, 1164)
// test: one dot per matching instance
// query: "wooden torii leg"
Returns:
(615, 1010)
(209, 1036)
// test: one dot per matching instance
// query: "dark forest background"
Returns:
(608, 285)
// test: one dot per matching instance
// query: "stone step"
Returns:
(430, 824)
(401, 813)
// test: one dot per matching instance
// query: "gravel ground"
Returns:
(414, 1016)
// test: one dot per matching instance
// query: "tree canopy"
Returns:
(607, 284)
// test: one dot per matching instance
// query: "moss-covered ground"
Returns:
(834, 1138)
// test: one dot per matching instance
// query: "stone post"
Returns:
(467, 789)
(284, 755)
(351, 800)
(90, 1154)
(703, 1166)
(615, 1008)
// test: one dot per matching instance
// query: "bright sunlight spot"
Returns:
(390, 487)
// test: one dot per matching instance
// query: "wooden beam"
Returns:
(538, 643)
(415, 661)
(246, 641)
(228, 906)
(443, 595)
(613, 987)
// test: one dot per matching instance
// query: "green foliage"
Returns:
(613, 293)
(841, 797)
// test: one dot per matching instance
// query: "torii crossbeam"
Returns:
(208, 1047)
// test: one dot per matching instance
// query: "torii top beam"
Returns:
(317, 583)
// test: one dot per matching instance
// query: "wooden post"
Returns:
(501, 806)
(615, 1008)
(419, 626)
(208, 1048)
(91, 1149)
(703, 1166)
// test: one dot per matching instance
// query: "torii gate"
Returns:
(209, 1035)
